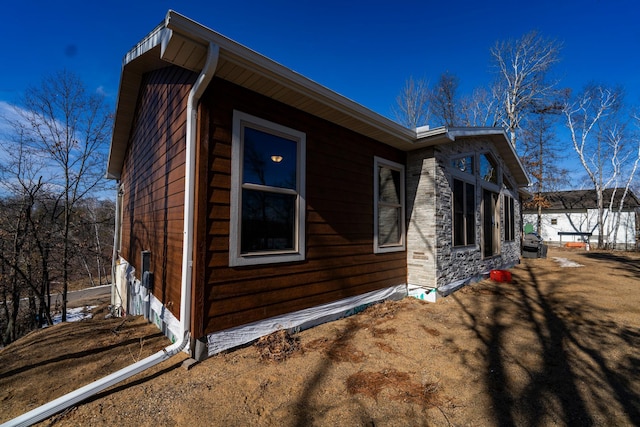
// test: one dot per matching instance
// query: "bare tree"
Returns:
(25, 271)
(541, 155)
(412, 104)
(481, 108)
(67, 128)
(633, 157)
(596, 123)
(443, 100)
(523, 66)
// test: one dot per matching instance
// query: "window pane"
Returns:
(268, 221)
(389, 229)
(510, 231)
(269, 159)
(458, 196)
(464, 213)
(470, 213)
(488, 169)
(463, 164)
(389, 186)
(458, 213)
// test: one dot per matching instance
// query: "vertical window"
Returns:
(267, 192)
(464, 208)
(389, 227)
(509, 219)
(490, 223)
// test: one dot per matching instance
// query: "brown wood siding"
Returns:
(153, 180)
(339, 213)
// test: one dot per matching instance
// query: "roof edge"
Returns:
(286, 76)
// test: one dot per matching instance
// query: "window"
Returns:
(389, 228)
(509, 219)
(490, 242)
(267, 192)
(464, 164)
(554, 221)
(464, 208)
(488, 169)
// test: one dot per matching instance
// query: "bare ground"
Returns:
(557, 346)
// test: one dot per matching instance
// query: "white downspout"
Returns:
(115, 294)
(47, 410)
(189, 182)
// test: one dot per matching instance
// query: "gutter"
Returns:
(47, 410)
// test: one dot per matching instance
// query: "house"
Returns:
(572, 216)
(253, 199)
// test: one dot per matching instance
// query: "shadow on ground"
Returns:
(579, 377)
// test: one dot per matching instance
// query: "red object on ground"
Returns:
(500, 276)
(575, 245)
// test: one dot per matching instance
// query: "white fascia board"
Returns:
(123, 119)
(151, 40)
(286, 77)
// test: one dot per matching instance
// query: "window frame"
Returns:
(494, 178)
(377, 164)
(509, 218)
(465, 213)
(242, 120)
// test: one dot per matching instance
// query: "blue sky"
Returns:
(364, 50)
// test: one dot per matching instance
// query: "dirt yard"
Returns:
(557, 346)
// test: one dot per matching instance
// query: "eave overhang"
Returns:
(426, 137)
(183, 42)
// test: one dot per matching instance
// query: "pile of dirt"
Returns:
(556, 346)
(277, 346)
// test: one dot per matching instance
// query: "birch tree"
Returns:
(412, 104)
(597, 125)
(634, 160)
(481, 108)
(523, 68)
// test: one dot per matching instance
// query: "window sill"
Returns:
(388, 249)
(264, 259)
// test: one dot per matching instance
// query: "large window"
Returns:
(389, 228)
(509, 219)
(464, 217)
(267, 192)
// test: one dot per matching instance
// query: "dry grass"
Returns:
(278, 346)
(556, 346)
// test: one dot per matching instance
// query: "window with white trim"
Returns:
(389, 206)
(267, 192)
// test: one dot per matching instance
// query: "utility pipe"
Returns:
(116, 246)
(47, 410)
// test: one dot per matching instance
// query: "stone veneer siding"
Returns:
(432, 261)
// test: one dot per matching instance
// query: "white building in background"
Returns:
(573, 217)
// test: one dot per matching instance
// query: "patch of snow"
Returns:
(566, 263)
(75, 314)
